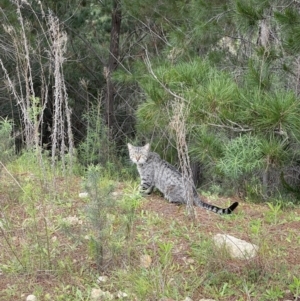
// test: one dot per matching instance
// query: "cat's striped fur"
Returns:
(155, 172)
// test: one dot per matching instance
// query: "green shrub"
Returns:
(6, 141)
(96, 148)
(111, 217)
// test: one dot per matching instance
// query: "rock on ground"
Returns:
(97, 294)
(236, 247)
(31, 298)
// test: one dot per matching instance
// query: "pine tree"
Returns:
(241, 84)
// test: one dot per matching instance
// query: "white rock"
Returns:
(31, 298)
(145, 261)
(98, 294)
(187, 299)
(83, 195)
(237, 248)
(190, 261)
(121, 295)
(102, 279)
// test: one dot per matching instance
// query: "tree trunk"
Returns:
(112, 64)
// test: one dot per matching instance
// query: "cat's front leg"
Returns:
(146, 187)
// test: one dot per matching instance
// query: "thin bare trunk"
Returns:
(178, 124)
(112, 64)
(62, 112)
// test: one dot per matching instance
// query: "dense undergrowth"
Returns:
(69, 232)
(59, 246)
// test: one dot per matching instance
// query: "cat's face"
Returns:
(138, 154)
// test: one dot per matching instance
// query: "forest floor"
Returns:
(207, 222)
(276, 233)
(47, 250)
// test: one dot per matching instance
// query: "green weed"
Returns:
(273, 213)
(221, 291)
(165, 252)
(274, 293)
(294, 287)
(255, 227)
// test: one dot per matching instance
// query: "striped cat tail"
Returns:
(216, 209)
(231, 208)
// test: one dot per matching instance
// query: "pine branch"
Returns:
(236, 127)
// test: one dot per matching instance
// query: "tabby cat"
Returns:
(155, 172)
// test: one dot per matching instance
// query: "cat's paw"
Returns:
(145, 192)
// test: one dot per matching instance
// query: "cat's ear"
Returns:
(129, 146)
(147, 146)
